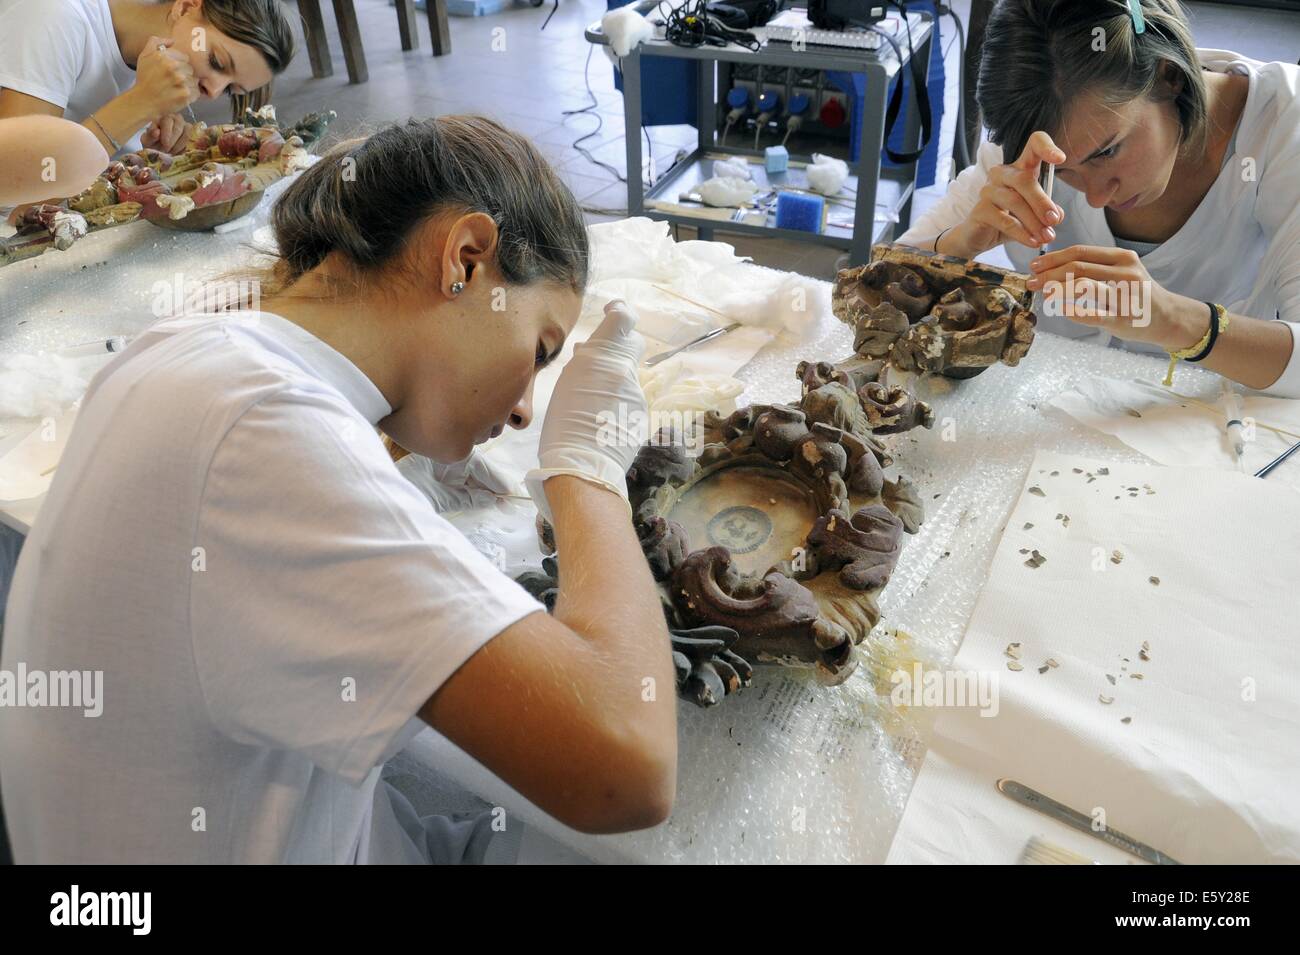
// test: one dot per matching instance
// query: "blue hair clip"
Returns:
(1135, 11)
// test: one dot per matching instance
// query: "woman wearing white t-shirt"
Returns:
(1177, 180)
(122, 66)
(276, 610)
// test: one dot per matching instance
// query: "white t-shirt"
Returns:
(64, 52)
(1240, 248)
(269, 600)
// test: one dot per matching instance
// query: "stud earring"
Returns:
(457, 288)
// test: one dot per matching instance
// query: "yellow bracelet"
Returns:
(1219, 320)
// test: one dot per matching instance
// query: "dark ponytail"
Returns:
(365, 198)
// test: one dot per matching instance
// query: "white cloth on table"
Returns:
(269, 600)
(1241, 247)
(64, 52)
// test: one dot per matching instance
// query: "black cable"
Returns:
(600, 121)
(963, 147)
(920, 92)
(691, 25)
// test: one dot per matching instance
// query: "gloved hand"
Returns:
(464, 485)
(597, 417)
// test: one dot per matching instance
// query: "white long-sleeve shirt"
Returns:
(1241, 247)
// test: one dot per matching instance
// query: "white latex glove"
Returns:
(462, 486)
(597, 417)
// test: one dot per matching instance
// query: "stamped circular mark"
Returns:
(740, 529)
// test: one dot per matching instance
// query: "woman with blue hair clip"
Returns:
(1175, 222)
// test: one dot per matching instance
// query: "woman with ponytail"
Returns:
(122, 67)
(275, 610)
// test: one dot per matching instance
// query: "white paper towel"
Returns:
(1174, 427)
(1206, 770)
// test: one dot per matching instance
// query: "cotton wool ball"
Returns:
(625, 29)
(726, 191)
(36, 386)
(733, 168)
(796, 305)
(827, 174)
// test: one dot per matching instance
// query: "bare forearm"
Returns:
(954, 241)
(1252, 351)
(607, 594)
(120, 118)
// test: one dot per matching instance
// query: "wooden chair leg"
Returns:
(318, 46)
(439, 31)
(350, 33)
(406, 24)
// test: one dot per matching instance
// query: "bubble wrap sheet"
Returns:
(790, 771)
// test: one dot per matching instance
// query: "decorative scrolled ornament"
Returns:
(927, 313)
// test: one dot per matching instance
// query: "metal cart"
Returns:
(883, 197)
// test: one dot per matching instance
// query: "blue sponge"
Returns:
(776, 158)
(795, 210)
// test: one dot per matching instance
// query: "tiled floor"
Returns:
(505, 66)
